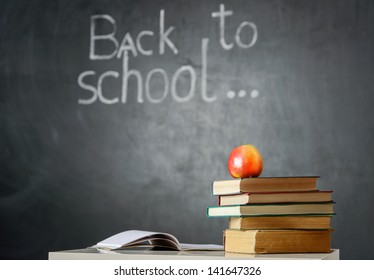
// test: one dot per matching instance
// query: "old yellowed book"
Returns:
(277, 241)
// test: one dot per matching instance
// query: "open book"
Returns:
(140, 238)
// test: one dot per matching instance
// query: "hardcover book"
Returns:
(325, 208)
(281, 222)
(264, 184)
(277, 241)
(275, 197)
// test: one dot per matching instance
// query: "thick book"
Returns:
(277, 241)
(140, 238)
(265, 184)
(281, 222)
(325, 208)
(275, 197)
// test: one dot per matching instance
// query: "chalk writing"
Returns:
(131, 46)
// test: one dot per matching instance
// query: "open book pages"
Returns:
(139, 238)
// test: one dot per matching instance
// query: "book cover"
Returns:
(277, 241)
(281, 222)
(275, 197)
(271, 209)
(265, 184)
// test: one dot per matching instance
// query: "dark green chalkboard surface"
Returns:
(118, 115)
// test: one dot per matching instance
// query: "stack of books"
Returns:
(274, 215)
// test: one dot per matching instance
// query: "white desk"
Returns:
(136, 254)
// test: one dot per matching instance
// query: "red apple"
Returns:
(245, 161)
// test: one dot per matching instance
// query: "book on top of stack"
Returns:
(274, 214)
(265, 184)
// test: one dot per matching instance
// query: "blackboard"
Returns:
(118, 115)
